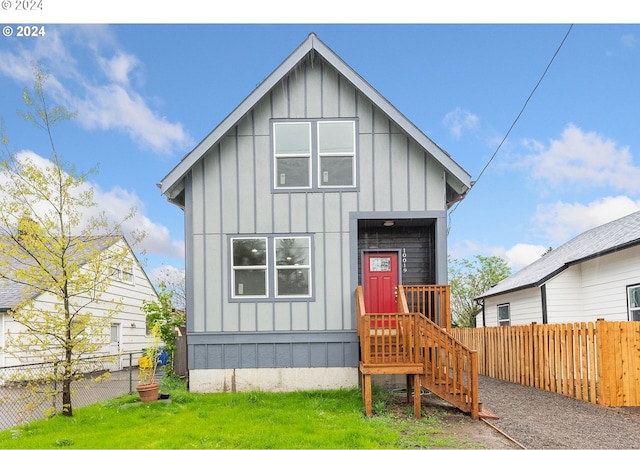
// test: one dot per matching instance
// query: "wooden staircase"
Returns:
(410, 343)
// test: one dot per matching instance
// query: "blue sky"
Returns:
(146, 94)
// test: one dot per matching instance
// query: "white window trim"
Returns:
(315, 175)
(629, 308)
(119, 274)
(271, 269)
(351, 154)
(277, 267)
(507, 321)
(264, 267)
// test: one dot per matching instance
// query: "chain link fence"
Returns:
(26, 396)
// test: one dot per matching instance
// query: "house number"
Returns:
(404, 260)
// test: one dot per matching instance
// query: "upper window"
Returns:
(504, 315)
(633, 296)
(271, 267)
(317, 154)
(123, 273)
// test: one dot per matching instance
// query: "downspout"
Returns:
(543, 295)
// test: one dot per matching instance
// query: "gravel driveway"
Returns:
(541, 419)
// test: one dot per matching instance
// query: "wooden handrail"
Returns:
(403, 307)
(432, 300)
(409, 338)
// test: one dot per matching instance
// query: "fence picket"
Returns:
(597, 362)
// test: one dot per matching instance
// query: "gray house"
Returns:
(594, 275)
(313, 185)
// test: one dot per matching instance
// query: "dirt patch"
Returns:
(453, 425)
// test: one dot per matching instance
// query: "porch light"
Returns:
(389, 223)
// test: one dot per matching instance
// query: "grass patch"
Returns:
(315, 419)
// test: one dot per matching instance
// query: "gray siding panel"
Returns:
(231, 192)
(257, 350)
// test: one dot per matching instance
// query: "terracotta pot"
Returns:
(148, 392)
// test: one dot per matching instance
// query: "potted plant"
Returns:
(148, 387)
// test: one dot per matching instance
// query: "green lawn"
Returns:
(318, 419)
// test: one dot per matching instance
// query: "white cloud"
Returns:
(119, 67)
(104, 98)
(521, 255)
(583, 159)
(116, 203)
(561, 221)
(460, 120)
(517, 257)
(629, 40)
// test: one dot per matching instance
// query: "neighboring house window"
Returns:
(124, 273)
(504, 315)
(633, 296)
(316, 154)
(271, 267)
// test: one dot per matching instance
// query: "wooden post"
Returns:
(416, 396)
(366, 393)
(474, 385)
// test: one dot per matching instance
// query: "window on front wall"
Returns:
(633, 297)
(271, 267)
(292, 149)
(249, 267)
(292, 266)
(317, 154)
(504, 315)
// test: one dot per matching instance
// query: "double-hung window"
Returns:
(314, 154)
(271, 267)
(504, 315)
(292, 149)
(249, 267)
(633, 296)
(292, 266)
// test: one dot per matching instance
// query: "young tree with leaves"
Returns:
(163, 312)
(468, 280)
(58, 251)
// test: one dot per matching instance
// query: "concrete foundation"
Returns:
(273, 380)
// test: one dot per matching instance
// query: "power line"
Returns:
(513, 124)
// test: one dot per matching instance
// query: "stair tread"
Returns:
(486, 414)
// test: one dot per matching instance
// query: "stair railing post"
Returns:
(474, 384)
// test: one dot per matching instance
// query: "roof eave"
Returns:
(173, 178)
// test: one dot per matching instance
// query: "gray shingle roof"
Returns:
(607, 238)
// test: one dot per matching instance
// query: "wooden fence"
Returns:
(598, 362)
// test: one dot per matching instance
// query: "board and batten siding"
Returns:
(229, 192)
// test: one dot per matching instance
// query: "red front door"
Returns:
(380, 273)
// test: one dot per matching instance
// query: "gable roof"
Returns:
(608, 238)
(172, 183)
(11, 292)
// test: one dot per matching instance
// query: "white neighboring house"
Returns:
(595, 275)
(127, 332)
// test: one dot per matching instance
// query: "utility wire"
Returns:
(513, 124)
